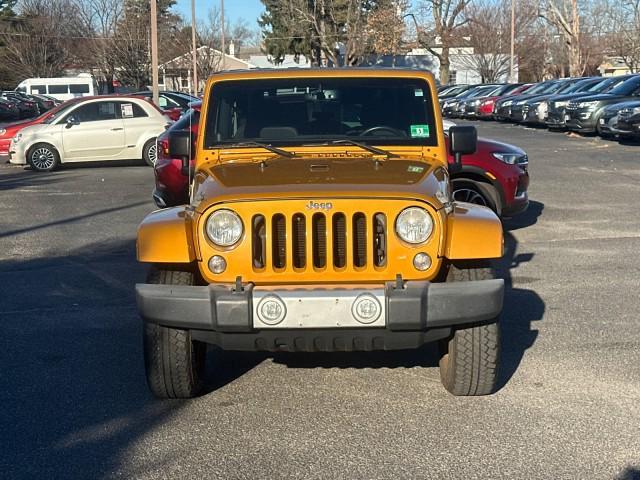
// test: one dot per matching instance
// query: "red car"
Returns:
(171, 185)
(495, 176)
(485, 110)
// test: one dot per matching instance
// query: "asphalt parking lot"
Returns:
(75, 403)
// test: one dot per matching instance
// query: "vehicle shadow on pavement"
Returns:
(19, 180)
(629, 473)
(72, 384)
(522, 306)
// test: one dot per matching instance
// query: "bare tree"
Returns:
(564, 15)
(101, 17)
(43, 39)
(386, 28)
(448, 17)
(623, 36)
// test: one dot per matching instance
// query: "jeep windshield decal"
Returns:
(293, 112)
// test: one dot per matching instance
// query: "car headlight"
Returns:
(17, 138)
(562, 103)
(636, 110)
(224, 228)
(414, 225)
(512, 158)
(3, 131)
(507, 103)
(521, 102)
(591, 104)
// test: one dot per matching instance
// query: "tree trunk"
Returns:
(445, 65)
(575, 65)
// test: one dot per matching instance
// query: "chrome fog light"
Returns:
(366, 308)
(217, 264)
(271, 310)
(422, 261)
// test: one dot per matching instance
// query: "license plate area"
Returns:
(318, 308)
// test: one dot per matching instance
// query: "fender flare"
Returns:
(165, 236)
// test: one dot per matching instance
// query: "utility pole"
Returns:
(154, 52)
(194, 48)
(224, 63)
(513, 35)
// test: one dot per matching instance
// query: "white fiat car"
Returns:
(93, 129)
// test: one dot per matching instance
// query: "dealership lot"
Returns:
(72, 382)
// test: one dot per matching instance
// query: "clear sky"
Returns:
(234, 10)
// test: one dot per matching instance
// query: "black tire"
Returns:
(174, 363)
(471, 191)
(150, 152)
(43, 157)
(470, 358)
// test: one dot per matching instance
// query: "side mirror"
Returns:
(71, 121)
(464, 141)
(181, 146)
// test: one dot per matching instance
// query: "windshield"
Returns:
(539, 88)
(391, 111)
(57, 112)
(626, 88)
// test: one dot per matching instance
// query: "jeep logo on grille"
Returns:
(319, 205)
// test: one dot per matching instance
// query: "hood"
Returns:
(12, 128)
(33, 129)
(567, 96)
(315, 178)
(619, 106)
(486, 145)
(596, 97)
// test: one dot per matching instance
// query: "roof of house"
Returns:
(184, 61)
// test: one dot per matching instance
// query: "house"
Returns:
(612, 66)
(177, 74)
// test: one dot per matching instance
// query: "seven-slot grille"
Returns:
(319, 240)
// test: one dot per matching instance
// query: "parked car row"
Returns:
(16, 105)
(608, 106)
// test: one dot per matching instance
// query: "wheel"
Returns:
(150, 152)
(174, 363)
(474, 192)
(43, 157)
(470, 358)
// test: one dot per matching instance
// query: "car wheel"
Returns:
(43, 157)
(174, 363)
(470, 358)
(150, 152)
(476, 193)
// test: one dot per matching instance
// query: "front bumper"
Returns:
(580, 121)
(629, 126)
(413, 314)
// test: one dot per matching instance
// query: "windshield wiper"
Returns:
(276, 150)
(364, 146)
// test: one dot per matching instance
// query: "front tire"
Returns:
(470, 358)
(43, 157)
(477, 193)
(150, 152)
(174, 363)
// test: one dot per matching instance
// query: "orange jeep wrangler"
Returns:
(320, 219)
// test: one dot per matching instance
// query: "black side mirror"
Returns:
(181, 146)
(71, 121)
(464, 141)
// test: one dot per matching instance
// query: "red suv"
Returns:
(171, 185)
(495, 176)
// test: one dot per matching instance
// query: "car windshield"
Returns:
(390, 111)
(56, 112)
(627, 87)
(540, 88)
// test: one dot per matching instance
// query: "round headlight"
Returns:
(224, 228)
(414, 225)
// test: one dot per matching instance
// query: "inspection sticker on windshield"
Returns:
(420, 131)
(414, 169)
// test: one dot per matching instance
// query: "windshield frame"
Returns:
(217, 90)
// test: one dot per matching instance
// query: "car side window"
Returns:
(163, 102)
(131, 110)
(94, 112)
(166, 102)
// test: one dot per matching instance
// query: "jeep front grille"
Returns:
(332, 240)
(336, 240)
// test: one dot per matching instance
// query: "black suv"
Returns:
(557, 104)
(583, 113)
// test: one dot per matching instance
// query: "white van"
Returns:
(62, 88)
